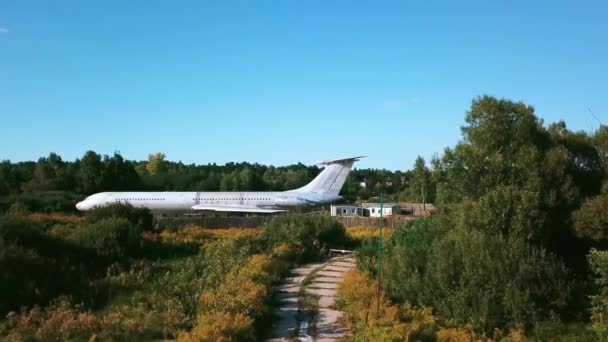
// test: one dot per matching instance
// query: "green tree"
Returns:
(156, 163)
(421, 188)
(90, 173)
(591, 220)
(119, 175)
(600, 142)
(598, 260)
(475, 277)
(9, 181)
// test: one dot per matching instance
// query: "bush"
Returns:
(407, 254)
(236, 305)
(112, 238)
(357, 297)
(306, 236)
(599, 302)
(45, 201)
(59, 322)
(591, 220)
(221, 326)
(37, 267)
(472, 277)
(141, 218)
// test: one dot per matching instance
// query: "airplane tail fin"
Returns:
(332, 178)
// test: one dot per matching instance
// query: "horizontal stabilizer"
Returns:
(339, 161)
(235, 209)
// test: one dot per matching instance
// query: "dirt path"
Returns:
(307, 299)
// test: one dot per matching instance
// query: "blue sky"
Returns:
(285, 81)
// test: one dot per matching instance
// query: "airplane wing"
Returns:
(230, 208)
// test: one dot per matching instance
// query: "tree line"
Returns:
(53, 184)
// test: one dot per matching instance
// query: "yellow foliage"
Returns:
(64, 322)
(59, 322)
(361, 233)
(243, 290)
(281, 250)
(358, 298)
(59, 225)
(229, 310)
(56, 218)
(455, 335)
(220, 326)
(516, 334)
(202, 236)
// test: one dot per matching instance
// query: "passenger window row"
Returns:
(232, 199)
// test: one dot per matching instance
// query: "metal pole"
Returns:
(379, 259)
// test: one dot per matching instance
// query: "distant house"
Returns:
(388, 209)
(343, 210)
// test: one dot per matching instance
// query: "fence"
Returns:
(260, 221)
(213, 222)
(417, 208)
(389, 221)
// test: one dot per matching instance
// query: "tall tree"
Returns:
(90, 173)
(421, 188)
(156, 163)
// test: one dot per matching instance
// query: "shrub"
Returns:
(357, 296)
(236, 302)
(221, 326)
(112, 238)
(473, 277)
(46, 201)
(59, 322)
(36, 267)
(406, 256)
(306, 236)
(141, 218)
(591, 220)
(358, 234)
(599, 302)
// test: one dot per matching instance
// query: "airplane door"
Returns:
(183, 201)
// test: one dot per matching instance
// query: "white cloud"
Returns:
(3, 30)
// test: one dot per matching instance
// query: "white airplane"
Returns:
(325, 188)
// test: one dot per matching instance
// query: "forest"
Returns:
(516, 250)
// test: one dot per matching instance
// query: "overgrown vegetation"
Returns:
(520, 206)
(307, 236)
(110, 277)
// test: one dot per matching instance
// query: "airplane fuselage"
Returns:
(186, 201)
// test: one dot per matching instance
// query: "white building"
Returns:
(343, 210)
(388, 209)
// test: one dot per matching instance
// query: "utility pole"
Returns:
(379, 259)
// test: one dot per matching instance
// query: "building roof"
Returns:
(377, 205)
(344, 206)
